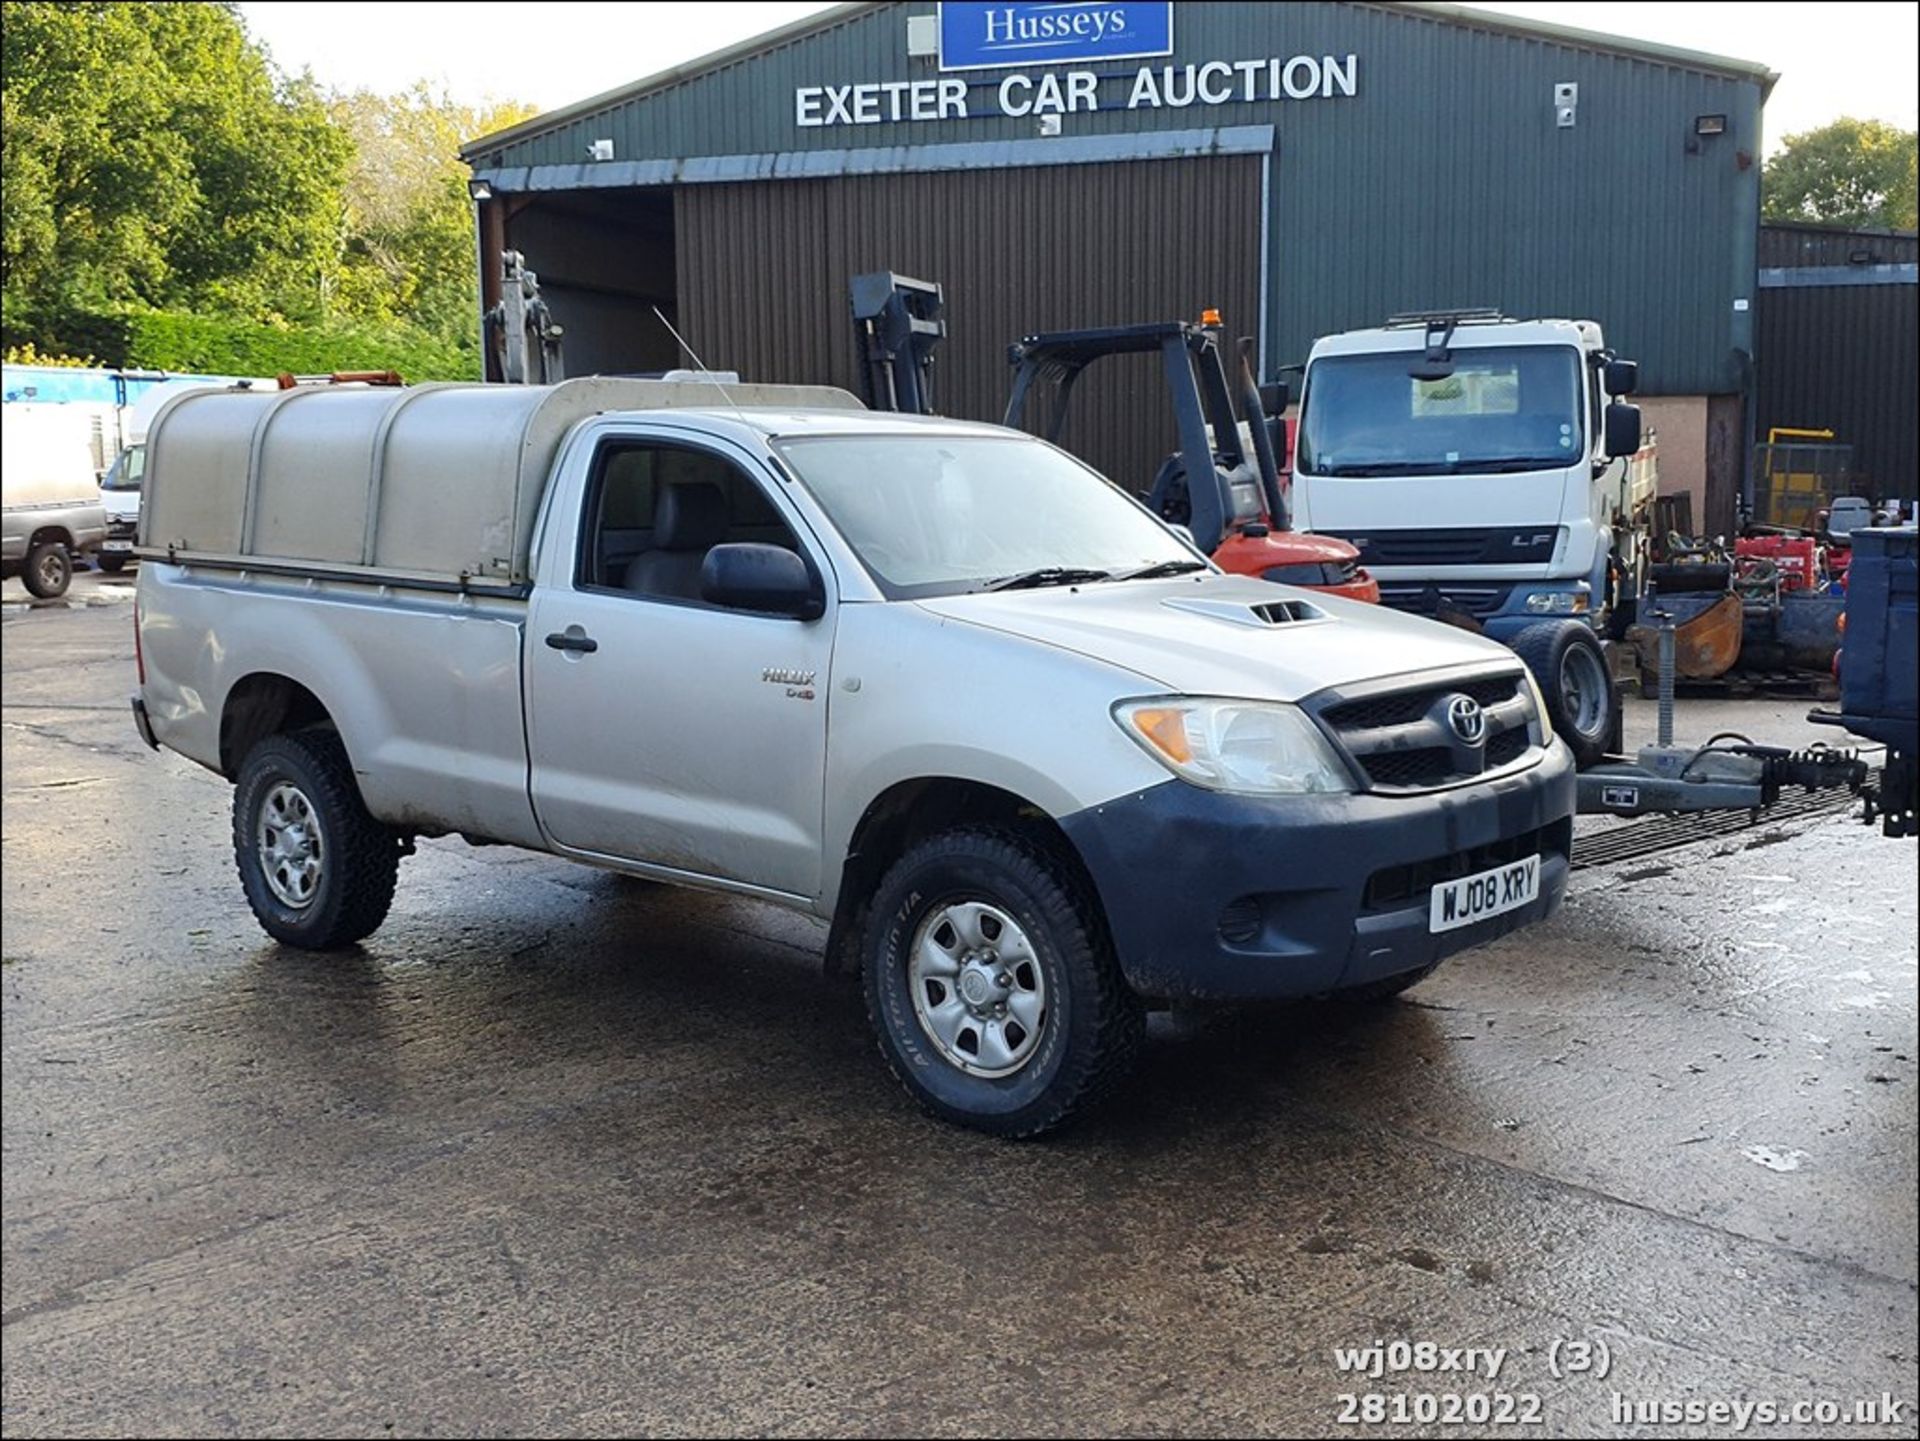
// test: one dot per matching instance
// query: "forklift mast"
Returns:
(897, 327)
(522, 337)
(1213, 483)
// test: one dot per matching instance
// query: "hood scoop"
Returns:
(1263, 616)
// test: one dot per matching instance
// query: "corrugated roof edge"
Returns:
(1816, 228)
(839, 14)
(1590, 40)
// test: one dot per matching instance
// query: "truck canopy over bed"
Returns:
(435, 484)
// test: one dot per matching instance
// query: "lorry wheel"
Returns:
(992, 986)
(318, 869)
(48, 571)
(111, 564)
(1566, 659)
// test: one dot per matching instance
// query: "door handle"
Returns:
(562, 640)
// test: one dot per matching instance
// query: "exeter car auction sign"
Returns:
(1001, 36)
(985, 36)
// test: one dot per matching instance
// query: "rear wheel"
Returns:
(112, 564)
(1566, 659)
(992, 986)
(48, 570)
(318, 870)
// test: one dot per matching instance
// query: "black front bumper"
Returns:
(1224, 897)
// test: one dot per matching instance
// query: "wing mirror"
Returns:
(765, 578)
(1622, 377)
(1622, 430)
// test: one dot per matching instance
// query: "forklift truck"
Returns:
(1240, 518)
(1223, 484)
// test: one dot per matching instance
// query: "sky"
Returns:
(1834, 59)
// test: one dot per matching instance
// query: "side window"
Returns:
(655, 509)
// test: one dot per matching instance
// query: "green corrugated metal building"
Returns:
(1306, 167)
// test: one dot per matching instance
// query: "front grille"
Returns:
(1404, 707)
(1396, 885)
(1507, 747)
(1502, 545)
(1428, 547)
(1402, 740)
(1479, 601)
(1429, 767)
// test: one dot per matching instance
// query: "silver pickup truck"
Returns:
(1038, 763)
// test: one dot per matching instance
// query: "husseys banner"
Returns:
(984, 36)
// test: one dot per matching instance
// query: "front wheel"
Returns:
(318, 870)
(992, 985)
(48, 570)
(113, 563)
(1566, 659)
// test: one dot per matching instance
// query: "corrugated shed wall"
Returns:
(1846, 358)
(764, 271)
(1442, 181)
(1798, 246)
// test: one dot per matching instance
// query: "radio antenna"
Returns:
(700, 364)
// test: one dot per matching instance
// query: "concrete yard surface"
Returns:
(561, 1152)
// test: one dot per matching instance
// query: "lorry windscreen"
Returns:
(1504, 408)
(127, 469)
(942, 514)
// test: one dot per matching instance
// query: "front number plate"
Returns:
(116, 545)
(1490, 893)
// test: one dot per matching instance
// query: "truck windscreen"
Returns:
(127, 470)
(941, 514)
(1504, 408)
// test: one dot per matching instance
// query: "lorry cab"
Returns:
(1478, 463)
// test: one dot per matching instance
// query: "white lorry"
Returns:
(1036, 760)
(1491, 469)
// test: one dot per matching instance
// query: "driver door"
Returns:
(665, 731)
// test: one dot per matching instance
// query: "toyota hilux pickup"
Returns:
(1037, 762)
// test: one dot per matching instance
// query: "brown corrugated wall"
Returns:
(764, 266)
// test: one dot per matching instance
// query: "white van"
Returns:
(52, 499)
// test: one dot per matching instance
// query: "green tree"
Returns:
(409, 221)
(1850, 173)
(153, 156)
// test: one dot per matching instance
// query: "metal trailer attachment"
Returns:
(1729, 772)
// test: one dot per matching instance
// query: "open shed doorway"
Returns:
(604, 259)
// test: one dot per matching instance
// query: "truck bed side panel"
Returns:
(425, 689)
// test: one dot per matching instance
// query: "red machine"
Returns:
(1796, 558)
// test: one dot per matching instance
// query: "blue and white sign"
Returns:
(996, 33)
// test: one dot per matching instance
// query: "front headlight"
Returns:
(1245, 746)
(1557, 602)
(1542, 722)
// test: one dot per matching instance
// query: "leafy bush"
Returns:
(27, 355)
(227, 345)
(219, 345)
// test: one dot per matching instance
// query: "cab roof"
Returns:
(1583, 334)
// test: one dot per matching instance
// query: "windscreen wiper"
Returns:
(1509, 465)
(1047, 575)
(1160, 568)
(1386, 467)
